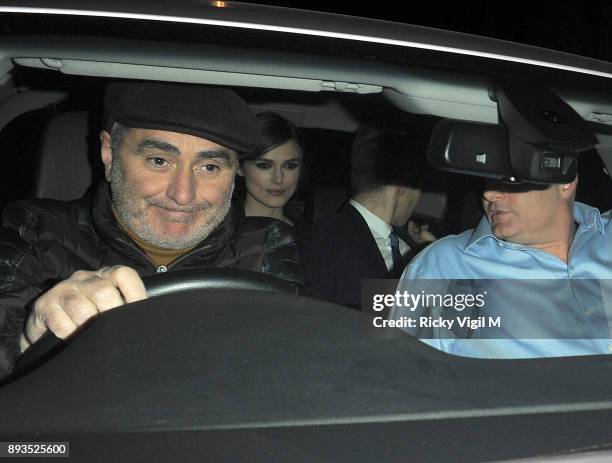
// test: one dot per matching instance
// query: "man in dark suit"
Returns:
(367, 238)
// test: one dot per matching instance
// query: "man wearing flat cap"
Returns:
(170, 153)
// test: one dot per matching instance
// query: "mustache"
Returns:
(177, 208)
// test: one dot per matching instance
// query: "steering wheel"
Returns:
(160, 284)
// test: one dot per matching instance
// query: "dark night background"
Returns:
(580, 27)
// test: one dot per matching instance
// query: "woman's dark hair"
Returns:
(274, 131)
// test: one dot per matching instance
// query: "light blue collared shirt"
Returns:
(573, 312)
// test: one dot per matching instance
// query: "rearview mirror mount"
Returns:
(538, 139)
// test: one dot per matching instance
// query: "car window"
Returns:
(329, 77)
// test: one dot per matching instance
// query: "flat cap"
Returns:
(217, 114)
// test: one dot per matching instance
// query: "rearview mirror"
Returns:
(538, 139)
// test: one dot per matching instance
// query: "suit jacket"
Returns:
(337, 252)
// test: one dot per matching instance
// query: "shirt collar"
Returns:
(377, 225)
(588, 218)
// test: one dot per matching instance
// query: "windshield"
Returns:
(347, 232)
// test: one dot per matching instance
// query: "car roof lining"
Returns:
(415, 90)
(260, 68)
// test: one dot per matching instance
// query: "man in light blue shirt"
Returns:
(551, 259)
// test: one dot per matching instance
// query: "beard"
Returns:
(127, 205)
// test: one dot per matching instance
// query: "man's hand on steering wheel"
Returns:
(72, 302)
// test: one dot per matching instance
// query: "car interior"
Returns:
(320, 381)
(61, 97)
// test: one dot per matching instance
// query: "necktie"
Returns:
(396, 256)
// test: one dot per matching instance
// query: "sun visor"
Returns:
(538, 140)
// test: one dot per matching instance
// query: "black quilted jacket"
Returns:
(44, 241)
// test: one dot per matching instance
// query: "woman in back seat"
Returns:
(271, 175)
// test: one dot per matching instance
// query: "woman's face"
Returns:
(271, 179)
